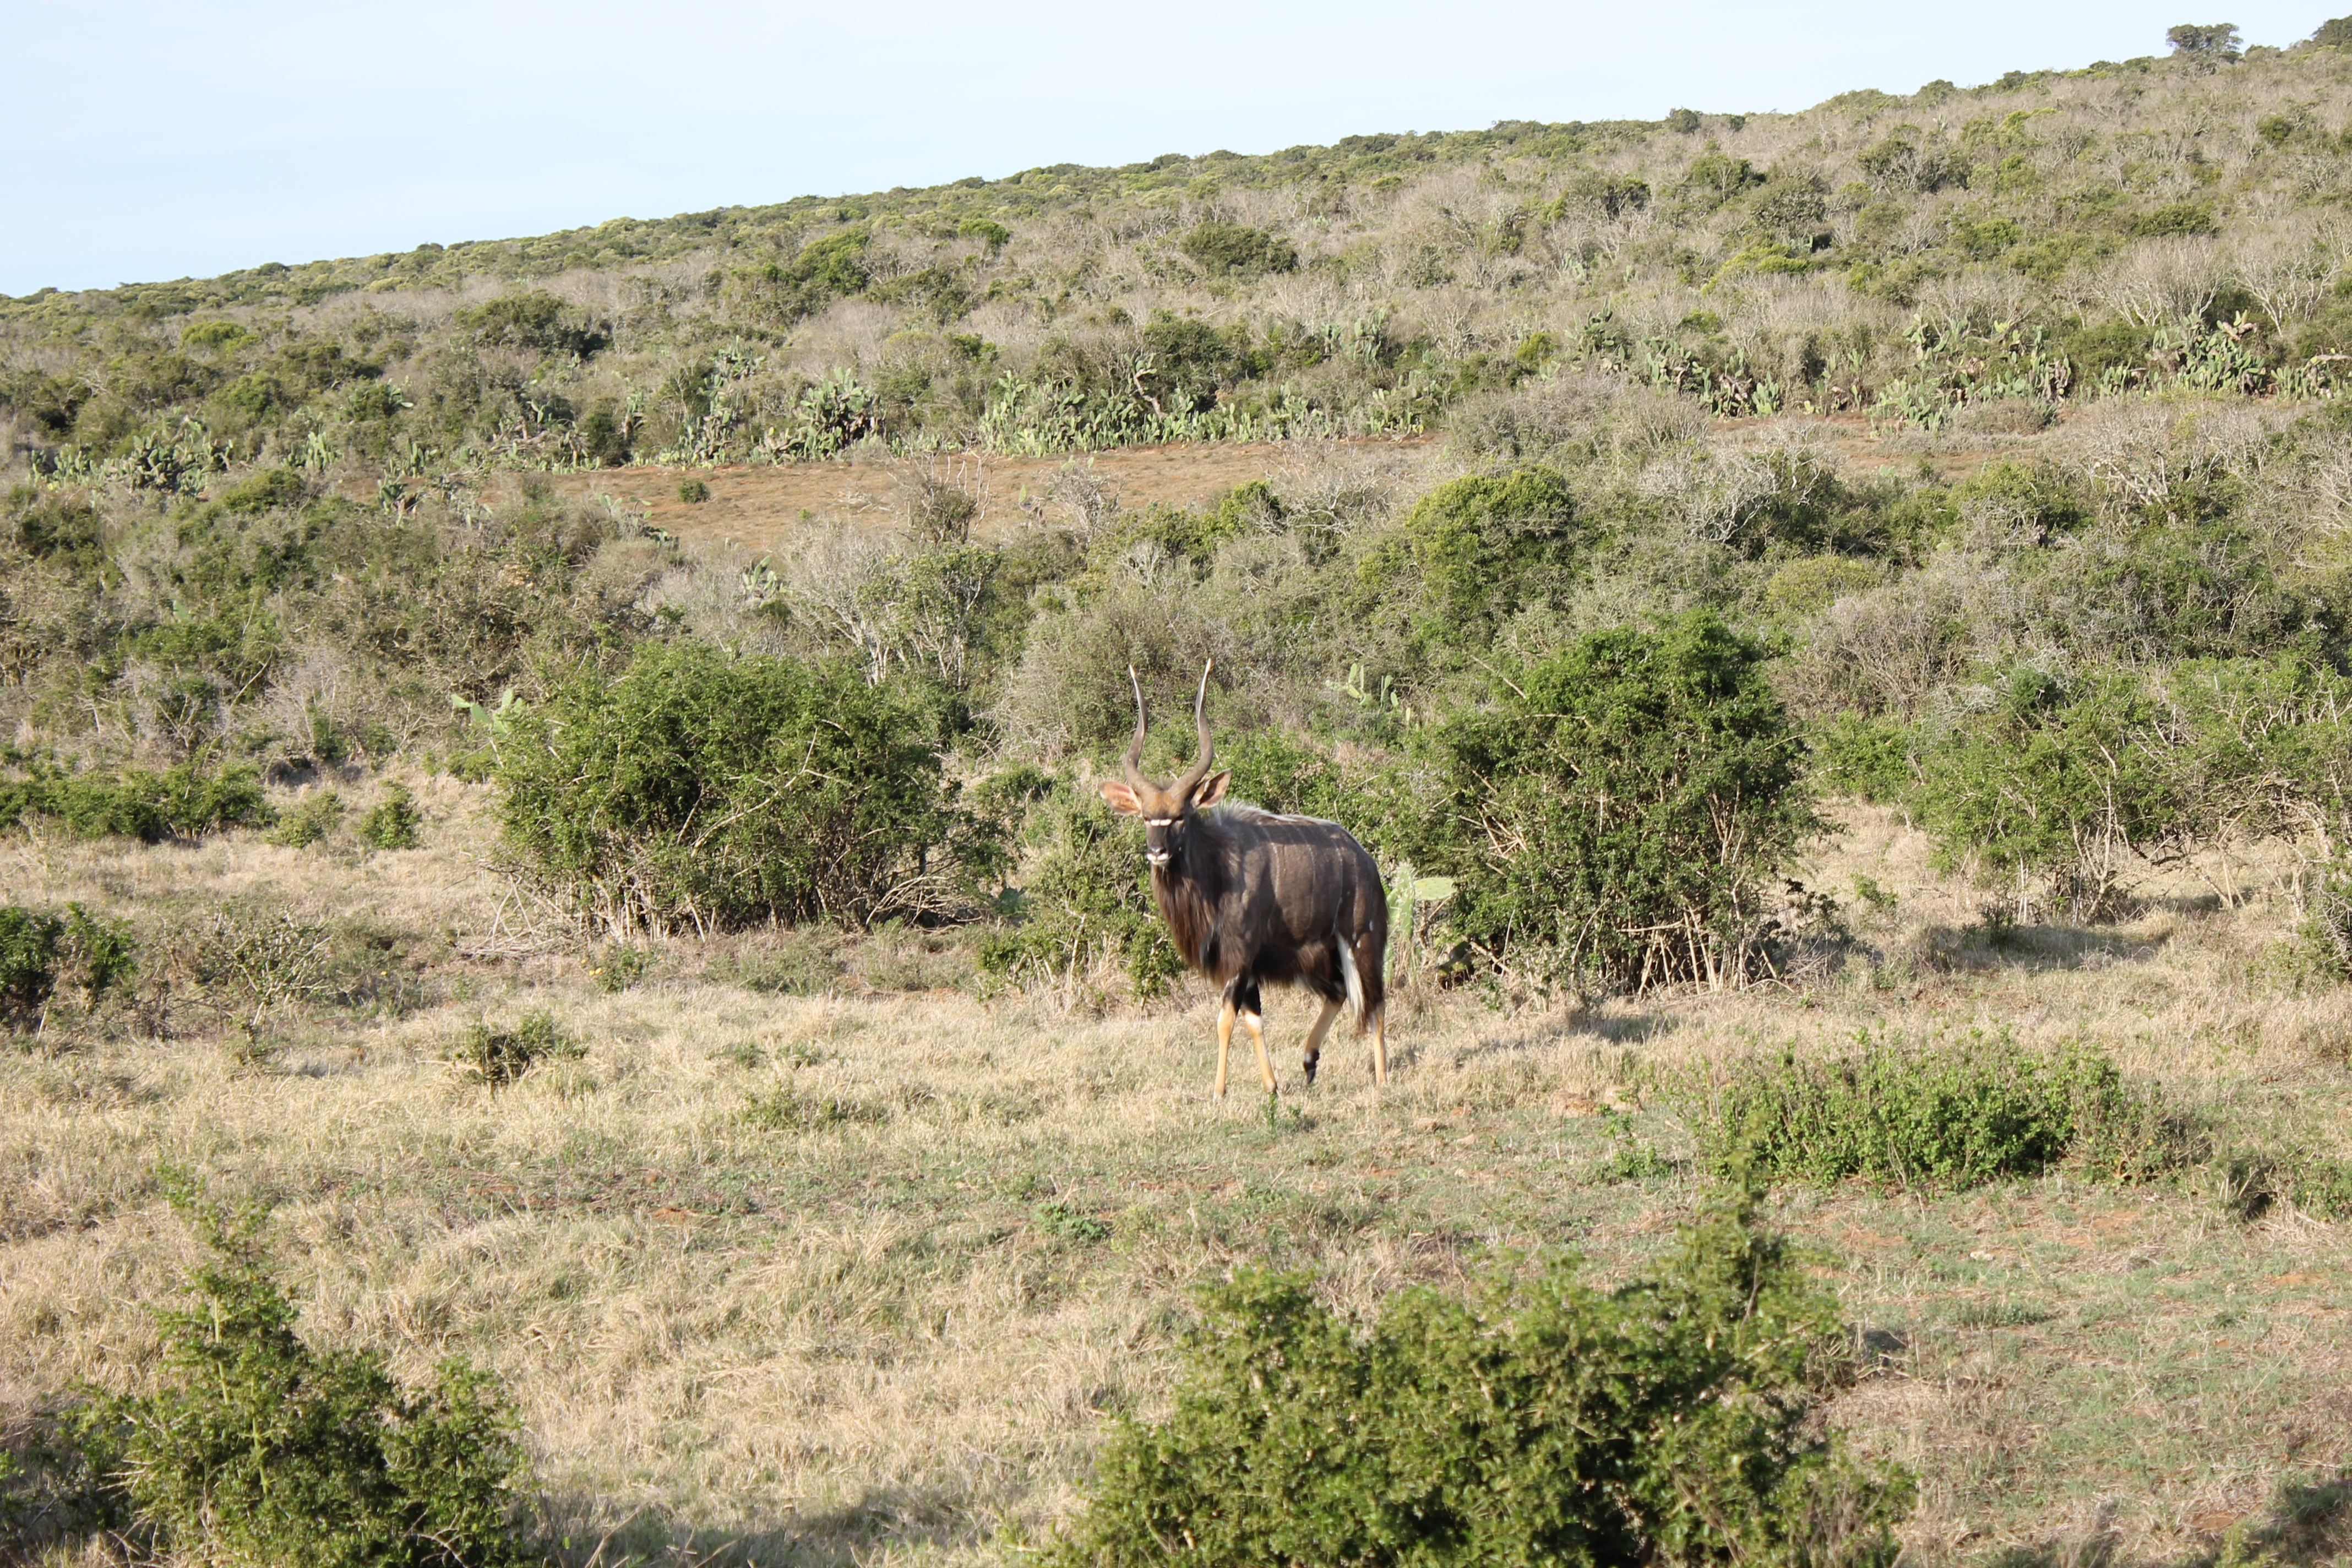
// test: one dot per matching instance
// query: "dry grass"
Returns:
(900, 1335)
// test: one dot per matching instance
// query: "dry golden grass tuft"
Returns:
(862, 1275)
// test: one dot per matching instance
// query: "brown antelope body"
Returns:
(1254, 898)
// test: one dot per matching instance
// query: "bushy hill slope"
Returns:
(2049, 236)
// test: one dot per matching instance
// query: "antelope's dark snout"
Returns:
(1159, 841)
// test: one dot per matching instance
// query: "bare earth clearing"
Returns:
(898, 1334)
(760, 509)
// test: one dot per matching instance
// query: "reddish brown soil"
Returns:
(760, 507)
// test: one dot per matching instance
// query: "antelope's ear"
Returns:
(1212, 790)
(1120, 797)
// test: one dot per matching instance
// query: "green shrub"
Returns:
(134, 803)
(1236, 250)
(2053, 782)
(534, 320)
(39, 951)
(1482, 546)
(1608, 817)
(1668, 1421)
(315, 818)
(499, 1056)
(621, 967)
(1087, 902)
(693, 492)
(28, 963)
(702, 790)
(260, 1449)
(2325, 934)
(394, 822)
(1951, 1116)
(1866, 757)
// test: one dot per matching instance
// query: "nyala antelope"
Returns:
(1253, 899)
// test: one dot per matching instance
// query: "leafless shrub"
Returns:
(1715, 493)
(252, 964)
(2161, 281)
(942, 495)
(2147, 454)
(1086, 496)
(2289, 276)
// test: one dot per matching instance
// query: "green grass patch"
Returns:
(788, 1110)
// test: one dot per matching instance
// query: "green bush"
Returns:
(394, 822)
(2052, 782)
(1236, 250)
(693, 492)
(259, 1450)
(621, 966)
(39, 951)
(713, 792)
(314, 820)
(30, 941)
(1667, 1421)
(1481, 547)
(1608, 819)
(134, 803)
(534, 320)
(500, 1057)
(1087, 902)
(1955, 1115)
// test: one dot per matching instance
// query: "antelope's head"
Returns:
(1167, 809)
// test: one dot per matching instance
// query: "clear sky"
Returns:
(160, 140)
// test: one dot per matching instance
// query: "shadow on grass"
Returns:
(885, 1522)
(1996, 944)
(2308, 1523)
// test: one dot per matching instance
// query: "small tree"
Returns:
(1481, 547)
(1611, 815)
(2209, 45)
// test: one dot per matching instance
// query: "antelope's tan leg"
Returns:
(1321, 1027)
(1380, 1046)
(1225, 1042)
(1256, 1026)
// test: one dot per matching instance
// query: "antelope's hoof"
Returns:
(1307, 1067)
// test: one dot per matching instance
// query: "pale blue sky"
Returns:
(158, 141)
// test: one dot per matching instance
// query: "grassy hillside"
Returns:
(563, 769)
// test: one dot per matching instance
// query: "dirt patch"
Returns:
(759, 508)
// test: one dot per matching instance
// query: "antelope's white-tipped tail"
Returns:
(1355, 982)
